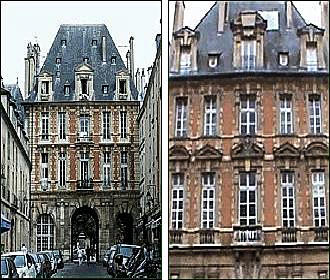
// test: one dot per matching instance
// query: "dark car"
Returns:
(8, 268)
(47, 266)
(60, 262)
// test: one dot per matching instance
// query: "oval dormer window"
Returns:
(213, 60)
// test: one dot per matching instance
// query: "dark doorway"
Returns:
(85, 231)
(125, 228)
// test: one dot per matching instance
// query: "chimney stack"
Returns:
(142, 81)
(288, 14)
(137, 80)
(104, 50)
(128, 64)
(131, 50)
(325, 26)
(221, 15)
(178, 16)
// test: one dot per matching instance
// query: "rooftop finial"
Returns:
(17, 80)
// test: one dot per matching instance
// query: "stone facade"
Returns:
(229, 213)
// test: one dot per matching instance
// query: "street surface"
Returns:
(72, 270)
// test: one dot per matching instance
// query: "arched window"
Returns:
(45, 233)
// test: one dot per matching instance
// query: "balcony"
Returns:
(175, 237)
(83, 185)
(206, 236)
(84, 139)
(248, 234)
(289, 235)
(321, 234)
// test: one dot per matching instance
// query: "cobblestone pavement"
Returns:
(72, 270)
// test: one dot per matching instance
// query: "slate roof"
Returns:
(17, 98)
(79, 39)
(282, 40)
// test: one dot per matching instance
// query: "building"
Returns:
(82, 121)
(150, 155)
(249, 143)
(15, 171)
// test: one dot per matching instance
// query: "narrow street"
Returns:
(72, 270)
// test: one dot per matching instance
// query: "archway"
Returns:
(125, 228)
(85, 231)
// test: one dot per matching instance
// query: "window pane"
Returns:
(244, 117)
(243, 179)
(252, 210)
(243, 196)
(243, 210)
(252, 179)
(252, 196)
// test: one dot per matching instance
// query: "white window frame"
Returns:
(314, 105)
(44, 166)
(247, 188)
(185, 58)
(106, 120)
(84, 125)
(45, 233)
(248, 111)
(62, 126)
(181, 117)
(210, 111)
(248, 54)
(318, 185)
(208, 200)
(62, 169)
(177, 207)
(84, 167)
(107, 169)
(123, 125)
(311, 58)
(45, 126)
(124, 170)
(286, 123)
(288, 193)
(67, 89)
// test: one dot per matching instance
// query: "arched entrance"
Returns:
(85, 231)
(125, 228)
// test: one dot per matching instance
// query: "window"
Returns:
(61, 126)
(106, 125)
(45, 87)
(123, 125)
(286, 115)
(272, 19)
(84, 167)
(247, 199)
(113, 60)
(94, 43)
(86, 60)
(315, 114)
(213, 60)
(45, 233)
(185, 58)
(248, 54)
(318, 199)
(248, 115)
(323, 274)
(58, 60)
(181, 117)
(288, 203)
(63, 43)
(208, 200)
(84, 88)
(105, 89)
(67, 90)
(283, 59)
(311, 58)
(122, 90)
(107, 169)
(61, 170)
(57, 74)
(44, 171)
(84, 125)
(210, 115)
(123, 170)
(177, 201)
(44, 126)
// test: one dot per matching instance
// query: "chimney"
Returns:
(104, 50)
(131, 57)
(325, 23)
(221, 15)
(137, 80)
(128, 64)
(288, 14)
(149, 72)
(142, 81)
(178, 16)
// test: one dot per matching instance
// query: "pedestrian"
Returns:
(80, 256)
(23, 247)
(88, 253)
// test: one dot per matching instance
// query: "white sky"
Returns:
(21, 21)
(195, 11)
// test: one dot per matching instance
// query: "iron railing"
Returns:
(251, 233)
(85, 184)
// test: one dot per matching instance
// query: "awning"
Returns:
(5, 224)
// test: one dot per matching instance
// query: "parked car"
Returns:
(39, 265)
(8, 268)
(47, 266)
(52, 259)
(60, 262)
(25, 265)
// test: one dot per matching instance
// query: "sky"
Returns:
(25, 21)
(195, 11)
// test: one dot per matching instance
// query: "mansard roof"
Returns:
(79, 39)
(276, 41)
(17, 98)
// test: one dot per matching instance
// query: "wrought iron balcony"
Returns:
(85, 184)
(206, 236)
(175, 236)
(321, 234)
(84, 139)
(289, 235)
(248, 234)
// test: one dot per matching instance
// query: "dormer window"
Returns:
(63, 43)
(84, 89)
(86, 60)
(283, 59)
(94, 43)
(67, 90)
(58, 61)
(105, 89)
(248, 54)
(45, 88)
(185, 59)
(57, 74)
(213, 60)
(113, 60)
(311, 57)
(122, 90)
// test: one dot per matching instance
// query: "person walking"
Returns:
(80, 256)
(88, 253)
